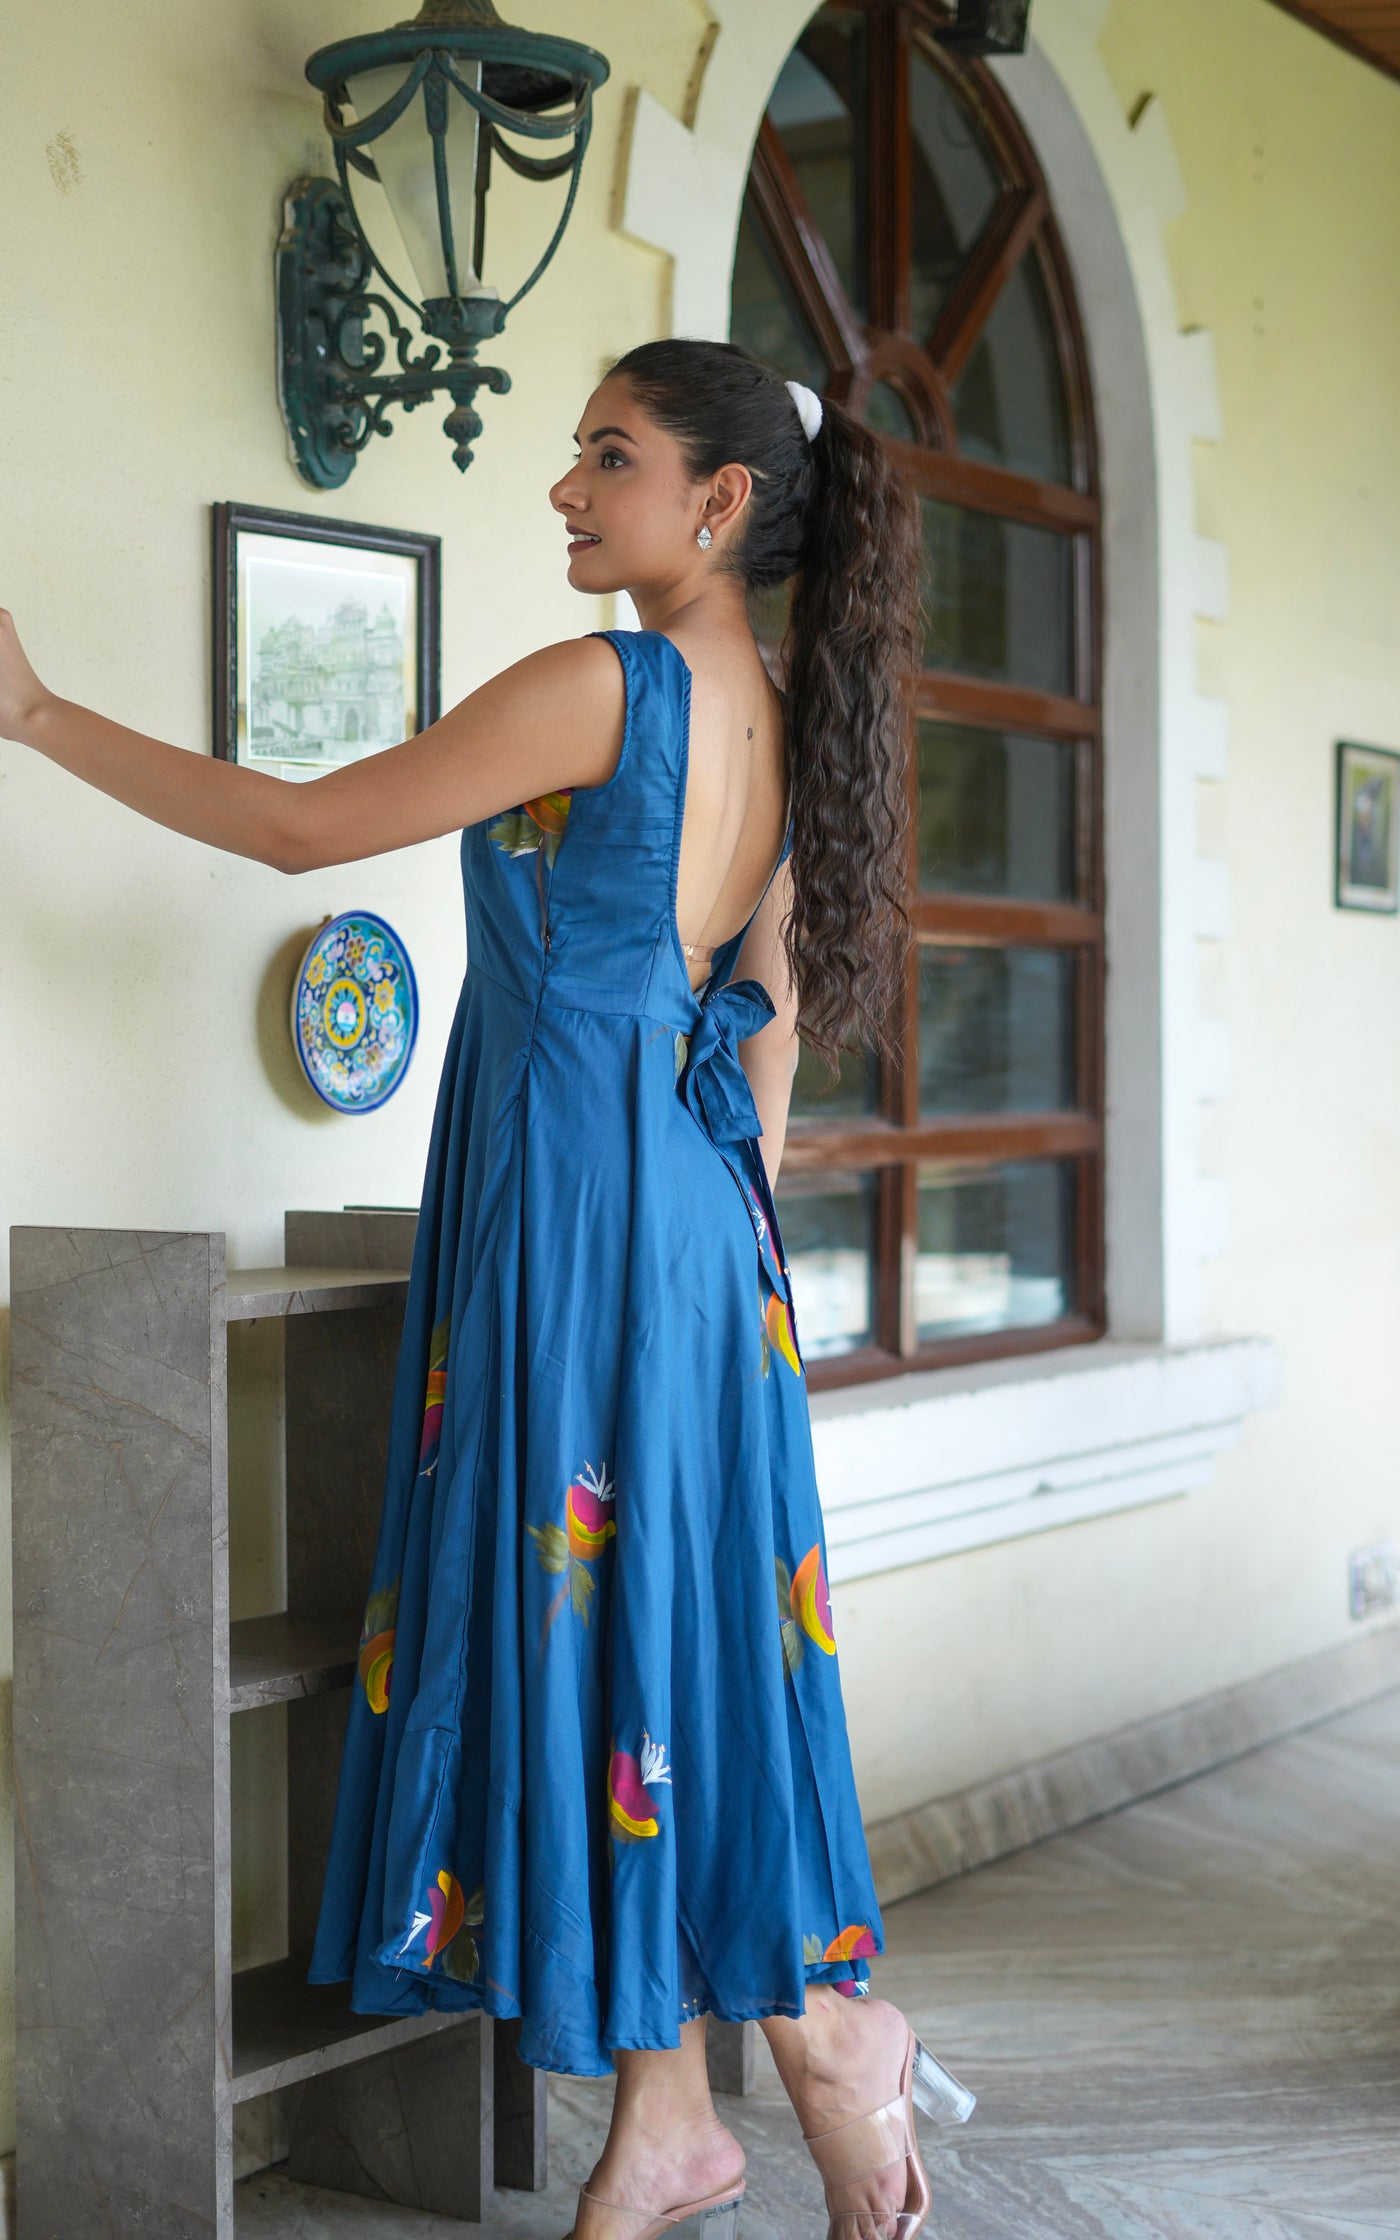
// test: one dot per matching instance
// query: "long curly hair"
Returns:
(833, 514)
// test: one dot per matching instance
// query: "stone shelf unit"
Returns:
(136, 2040)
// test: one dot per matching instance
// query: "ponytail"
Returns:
(850, 654)
(831, 513)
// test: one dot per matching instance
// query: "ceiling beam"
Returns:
(1368, 29)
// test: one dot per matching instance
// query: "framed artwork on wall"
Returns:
(327, 639)
(1368, 827)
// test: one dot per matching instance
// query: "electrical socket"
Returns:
(1375, 1579)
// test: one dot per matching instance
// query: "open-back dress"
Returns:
(596, 1772)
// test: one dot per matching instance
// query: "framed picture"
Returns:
(326, 639)
(1368, 827)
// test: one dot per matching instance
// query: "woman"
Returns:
(596, 1772)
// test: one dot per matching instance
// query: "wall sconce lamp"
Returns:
(420, 109)
(986, 27)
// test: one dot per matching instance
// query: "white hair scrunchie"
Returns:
(809, 407)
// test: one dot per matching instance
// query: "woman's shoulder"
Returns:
(572, 693)
(554, 718)
(588, 662)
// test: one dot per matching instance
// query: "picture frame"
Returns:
(1367, 867)
(327, 638)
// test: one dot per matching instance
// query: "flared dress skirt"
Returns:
(596, 1772)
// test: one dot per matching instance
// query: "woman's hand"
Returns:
(21, 694)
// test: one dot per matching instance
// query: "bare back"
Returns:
(735, 812)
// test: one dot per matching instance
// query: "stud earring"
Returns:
(703, 537)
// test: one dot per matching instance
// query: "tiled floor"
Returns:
(1183, 2023)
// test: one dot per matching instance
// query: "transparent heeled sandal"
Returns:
(716, 2217)
(937, 2091)
(884, 2138)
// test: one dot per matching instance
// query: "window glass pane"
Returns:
(953, 187)
(886, 410)
(996, 813)
(853, 1096)
(995, 1247)
(1010, 399)
(999, 598)
(818, 108)
(996, 1030)
(764, 317)
(828, 1231)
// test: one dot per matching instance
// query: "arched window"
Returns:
(897, 250)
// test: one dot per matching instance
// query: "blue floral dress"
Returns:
(596, 1772)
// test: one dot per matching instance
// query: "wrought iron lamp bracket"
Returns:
(333, 394)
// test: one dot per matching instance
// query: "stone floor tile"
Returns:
(1182, 2022)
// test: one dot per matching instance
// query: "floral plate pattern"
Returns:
(355, 1011)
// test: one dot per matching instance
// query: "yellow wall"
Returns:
(146, 1077)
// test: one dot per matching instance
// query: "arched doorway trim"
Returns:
(1116, 186)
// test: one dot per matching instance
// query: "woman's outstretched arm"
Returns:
(547, 723)
(769, 1058)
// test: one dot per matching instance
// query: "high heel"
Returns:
(856, 2149)
(937, 2091)
(715, 2217)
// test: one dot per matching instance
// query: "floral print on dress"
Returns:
(376, 1658)
(443, 1919)
(461, 1953)
(773, 1265)
(804, 1609)
(631, 1813)
(855, 1943)
(535, 824)
(435, 1396)
(775, 1329)
(572, 1546)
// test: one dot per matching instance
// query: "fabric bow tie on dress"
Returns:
(712, 1081)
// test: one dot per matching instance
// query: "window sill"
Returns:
(935, 1462)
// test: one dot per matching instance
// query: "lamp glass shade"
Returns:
(403, 157)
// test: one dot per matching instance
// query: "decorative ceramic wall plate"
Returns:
(355, 1011)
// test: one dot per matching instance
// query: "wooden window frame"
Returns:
(893, 1141)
